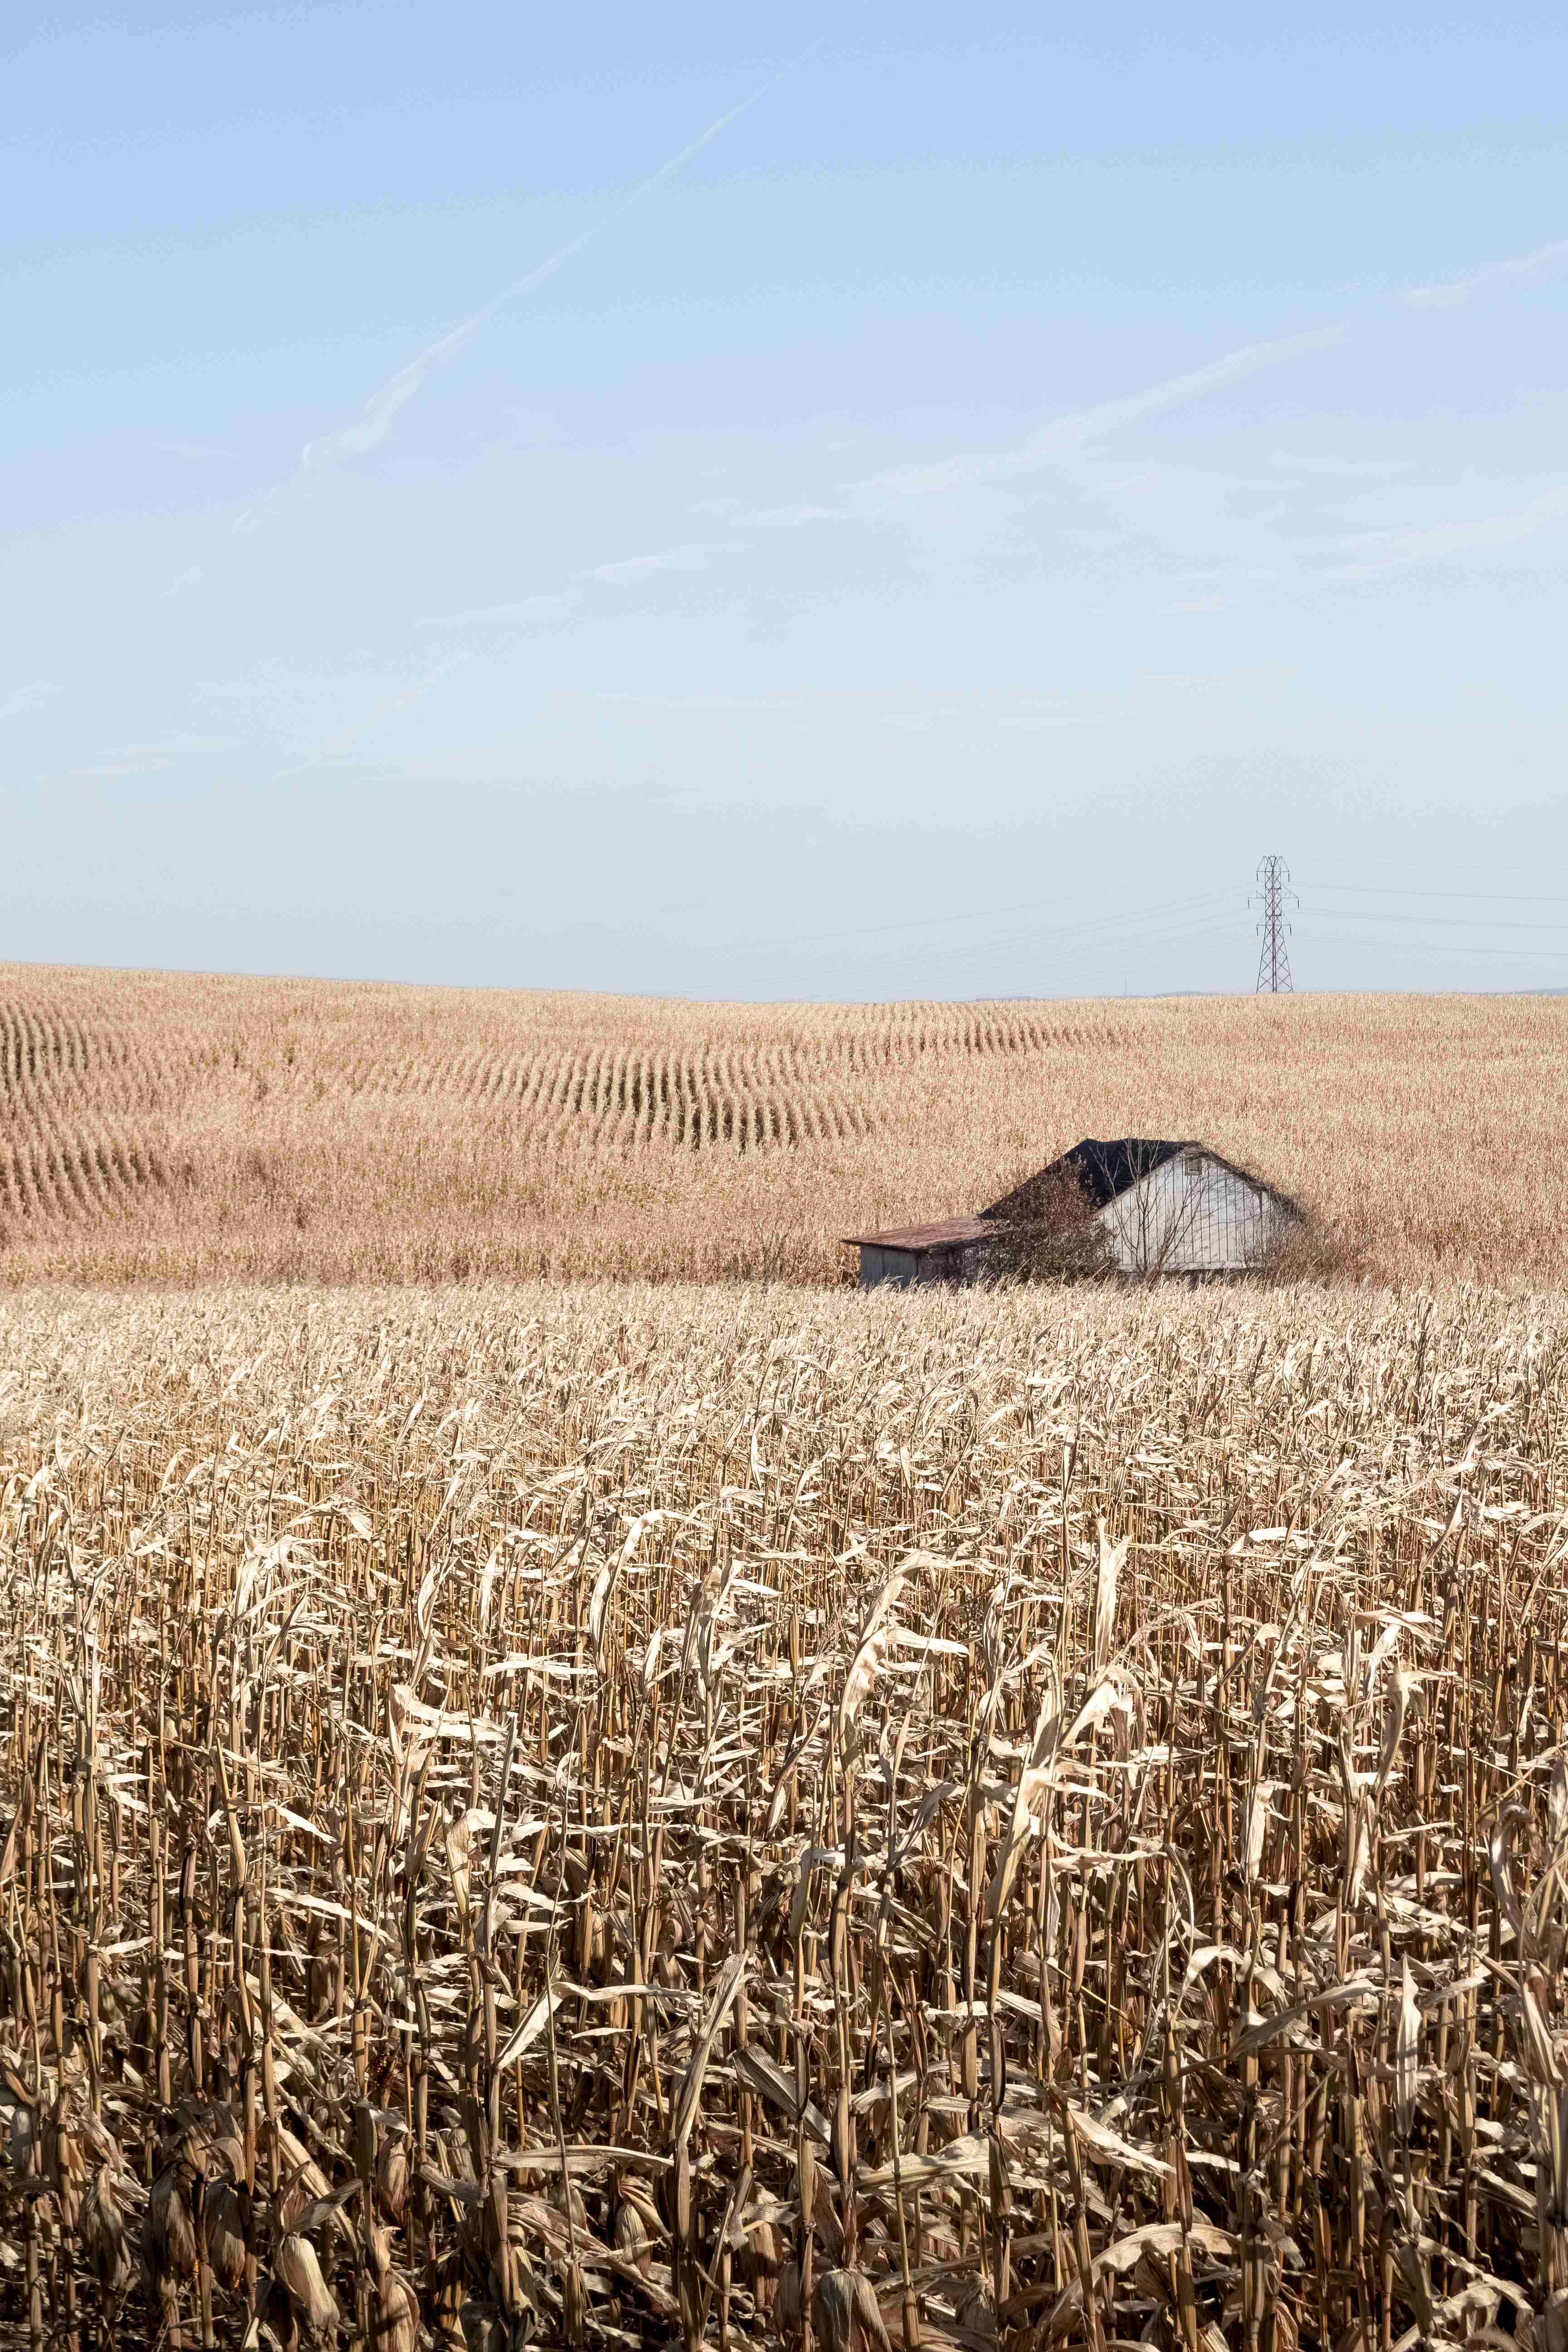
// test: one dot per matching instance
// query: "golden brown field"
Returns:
(180, 1128)
(735, 1816)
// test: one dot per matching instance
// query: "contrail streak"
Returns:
(373, 423)
(1459, 289)
(1067, 433)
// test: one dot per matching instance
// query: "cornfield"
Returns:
(742, 1817)
(155, 1127)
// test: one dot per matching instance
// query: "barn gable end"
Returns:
(1094, 1172)
(1193, 1214)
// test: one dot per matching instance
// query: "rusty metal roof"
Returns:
(945, 1234)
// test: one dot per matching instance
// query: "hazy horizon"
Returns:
(374, 980)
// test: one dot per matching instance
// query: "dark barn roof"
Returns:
(1100, 1171)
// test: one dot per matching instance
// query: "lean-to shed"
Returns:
(1142, 1205)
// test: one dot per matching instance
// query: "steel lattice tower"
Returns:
(1274, 961)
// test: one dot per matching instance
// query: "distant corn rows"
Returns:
(615, 1098)
(86, 1106)
(157, 1125)
(75, 1102)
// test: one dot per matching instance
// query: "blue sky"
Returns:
(638, 501)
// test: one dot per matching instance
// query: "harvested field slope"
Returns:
(175, 1127)
(924, 1805)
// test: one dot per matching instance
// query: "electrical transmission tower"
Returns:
(1274, 961)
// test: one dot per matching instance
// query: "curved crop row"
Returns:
(328, 1127)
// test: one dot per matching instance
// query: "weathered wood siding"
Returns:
(1191, 1215)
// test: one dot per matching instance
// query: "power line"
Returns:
(1106, 933)
(1038, 931)
(1104, 943)
(1394, 890)
(1470, 954)
(1029, 906)
(1095, 938)
(1273, 960)
(1452, 922)
(914, 923)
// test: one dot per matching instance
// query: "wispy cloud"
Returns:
(920, 722)
(1068, 433)
(1037, 713)
(346, 737)
(792, 518)
(1198, 605)
(1343, 469)
(259, 509)
(375, 422)
(188, 578)
(534, 428)
(702, 701)
(148, 758)
(669, 558)
(110, 768)
(1385, 550)
(1542, 263)
(23, 699)
(1178, 681)
(528, 611)
(174, 747)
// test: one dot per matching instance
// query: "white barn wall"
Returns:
(1191, 1215)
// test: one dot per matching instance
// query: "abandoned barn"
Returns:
(1137, 1205)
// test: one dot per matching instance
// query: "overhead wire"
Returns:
(1096, 939)
(1044, 934)
(1403, 890)
(913, 923)
(985, 913)
(1093, 956)
(1536, 956)
(1450, 922)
